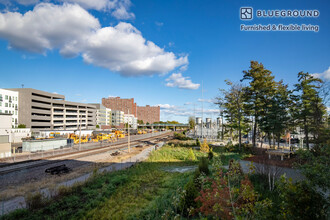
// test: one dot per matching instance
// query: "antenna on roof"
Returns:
(22, 85)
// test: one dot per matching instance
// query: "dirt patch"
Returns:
(261, 157)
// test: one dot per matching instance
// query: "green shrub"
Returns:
(301, 201)
(187, 201)
(198, 143)
(210, 154)
(203, 166)
(181, 136)
(191, 155)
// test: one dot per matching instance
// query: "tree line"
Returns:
(267, 108)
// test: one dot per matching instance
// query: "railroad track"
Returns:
(13, 167)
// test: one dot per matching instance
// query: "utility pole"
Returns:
(129, 147)
(202, 109)
(79, 129)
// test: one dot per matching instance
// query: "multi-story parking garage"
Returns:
(41, 110)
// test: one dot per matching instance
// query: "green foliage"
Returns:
(181, 136)
(191, 122)
(245, 148)
(187, 201)
(315, 166)
(198, 143)
(140, 122)
(257, 94)
(191, 155)
(300, 201)
(309, 107)
(203, 166)
(174, 153)
(97, 126)
(234, 109)
(210, 154)
(21, 126)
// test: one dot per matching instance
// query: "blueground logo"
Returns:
(246, 13)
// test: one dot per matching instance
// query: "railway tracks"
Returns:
(14, 167)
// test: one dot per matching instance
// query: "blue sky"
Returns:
(146, 49)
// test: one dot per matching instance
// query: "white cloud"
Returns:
(118, 8)
(206, 100)
(177, 80)
(325, 75)
(121, 8)
(123, 49)
(92, 4)
(74, 31)
(21, 2)
(41, 29)
(173, 110)
(166, 106)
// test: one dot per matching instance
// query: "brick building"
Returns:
(117, 103)
(148, 113)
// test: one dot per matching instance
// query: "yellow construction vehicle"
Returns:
(75, 138)
(119, 134)
(54, 134)
(102, 137)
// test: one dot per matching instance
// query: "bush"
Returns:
(181, 136)
(198, 143)
(245, 148)
(205, 147)
(301, 201)
(188, 199)
(210, 154)
(21, 126)
(191, 155)
(203, 166)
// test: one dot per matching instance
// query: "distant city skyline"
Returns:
(157, 52)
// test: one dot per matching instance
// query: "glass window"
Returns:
(6, 111)
(0, 111)
(6, 104)
(6, 97)
(15, 112)
(9, 105)
(0, 103)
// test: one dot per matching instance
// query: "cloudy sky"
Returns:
(158, 52)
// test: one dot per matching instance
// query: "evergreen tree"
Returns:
(234, 108)
(310, 109)
(257, 94)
